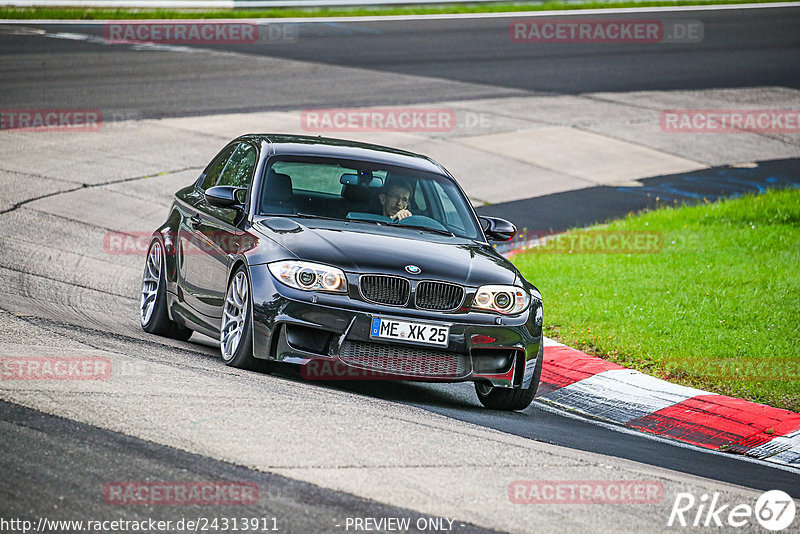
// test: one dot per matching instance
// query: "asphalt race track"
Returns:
(461, 59)
(318, 453)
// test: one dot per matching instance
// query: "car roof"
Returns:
(306, 145)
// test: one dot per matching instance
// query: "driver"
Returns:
(394, 200)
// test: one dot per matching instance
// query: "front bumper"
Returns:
(332, 341)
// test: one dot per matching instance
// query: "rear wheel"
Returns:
(153, 303)
(236, 331)
(496, 398)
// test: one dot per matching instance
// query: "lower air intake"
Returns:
(405, 360)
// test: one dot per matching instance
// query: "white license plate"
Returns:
(403, 331)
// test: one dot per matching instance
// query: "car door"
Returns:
(214, 234)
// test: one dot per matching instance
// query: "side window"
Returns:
(451, 213)
(215, 169)
(239, 170)
(419, 199)
(313, 177)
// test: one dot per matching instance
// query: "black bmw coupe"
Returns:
(354, 261)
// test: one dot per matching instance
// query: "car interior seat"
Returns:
(277, 194)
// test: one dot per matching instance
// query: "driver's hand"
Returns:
(400, 215)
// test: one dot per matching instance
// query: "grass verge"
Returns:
(76, 13)
(718, 307)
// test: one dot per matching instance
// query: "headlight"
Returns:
(309, 276)
(509, 300)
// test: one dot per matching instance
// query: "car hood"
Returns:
(369, 250)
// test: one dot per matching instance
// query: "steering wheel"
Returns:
(422, 220)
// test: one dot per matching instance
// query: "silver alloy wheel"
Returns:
(233, 315)
(150, 281)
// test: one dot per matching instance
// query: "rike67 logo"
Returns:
(774, 510)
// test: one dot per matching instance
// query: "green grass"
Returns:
(717, 308)
(123, 14)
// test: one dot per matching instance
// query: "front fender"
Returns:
(168, 234)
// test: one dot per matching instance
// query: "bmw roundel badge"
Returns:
(413, 269)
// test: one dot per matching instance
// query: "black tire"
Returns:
(157, 321)
(509, 399)
(242, 356)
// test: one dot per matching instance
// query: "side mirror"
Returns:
(497, 229)
(225, 196)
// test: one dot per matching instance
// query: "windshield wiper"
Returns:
(312, 216)
(448, 233)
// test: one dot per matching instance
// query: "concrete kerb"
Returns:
(591, 386)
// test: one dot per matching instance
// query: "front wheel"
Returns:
(153, 303)
(236, 331)
(508, 399)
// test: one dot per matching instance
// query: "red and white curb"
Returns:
(591, 386)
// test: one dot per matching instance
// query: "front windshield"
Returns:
(367, 192)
